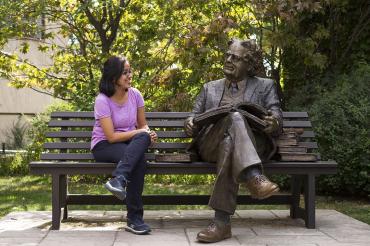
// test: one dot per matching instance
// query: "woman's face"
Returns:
(124, 81)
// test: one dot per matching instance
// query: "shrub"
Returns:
(18, 164)
(39, 126)
(16, 135)
(341, 120)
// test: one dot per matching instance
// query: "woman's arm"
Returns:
(141, 120)
(114, 137)
(142, 124)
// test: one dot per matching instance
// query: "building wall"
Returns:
(15, 102)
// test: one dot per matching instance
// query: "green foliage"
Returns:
(341, 120)
(174, 46)
(5, 161)
(16, 136)
(323, 43)
(38, 128)
(180, 179)
(17, 164)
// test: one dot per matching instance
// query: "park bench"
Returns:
(68, 154)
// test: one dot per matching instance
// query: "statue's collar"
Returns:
(239, 84)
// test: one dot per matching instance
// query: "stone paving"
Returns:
(179, 228)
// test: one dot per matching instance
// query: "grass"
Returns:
(33, 193)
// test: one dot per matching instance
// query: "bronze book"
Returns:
(297, 156)
(252, 112)
(298, 149)
(287, 142)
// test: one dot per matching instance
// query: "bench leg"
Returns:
(296, 185)
(64, 191)
(309, 199)
(56, 201)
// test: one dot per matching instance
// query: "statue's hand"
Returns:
(272, 123)
(189, 126)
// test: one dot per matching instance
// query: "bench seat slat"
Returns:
(319, 167)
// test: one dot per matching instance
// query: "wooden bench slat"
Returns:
(90, 123)
(67, 156)
(86, 145)
(295, 115)
(161, 134)
(87, 134)
(80, 156)
(149, 115)
(164, 123)
(297, 124)
(270, 164)
(160, 115)
(309, 145)
(319, 167)
(307, 134)
(69, 134)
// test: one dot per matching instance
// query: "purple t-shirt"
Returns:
(124, 117)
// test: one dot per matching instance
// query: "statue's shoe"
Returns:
(261, 187)
(214, 233)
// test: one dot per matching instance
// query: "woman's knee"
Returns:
(143, 135)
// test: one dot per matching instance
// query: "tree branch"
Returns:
(98, 26)
(31, 65)
(50, 94)
(115, 22)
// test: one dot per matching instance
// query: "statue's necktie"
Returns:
(234, 89)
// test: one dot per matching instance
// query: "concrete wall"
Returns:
(15, 102)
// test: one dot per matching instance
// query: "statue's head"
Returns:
(242, 59)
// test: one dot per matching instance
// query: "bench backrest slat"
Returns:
(158, 123)
(160, 115)
(161, 134)
(81, 156)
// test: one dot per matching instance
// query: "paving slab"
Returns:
(180, 227)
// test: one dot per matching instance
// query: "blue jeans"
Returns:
(130, 156)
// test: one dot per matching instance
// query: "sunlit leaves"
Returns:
(173, 46)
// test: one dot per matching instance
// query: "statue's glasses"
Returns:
(233, 57)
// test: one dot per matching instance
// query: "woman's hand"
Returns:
(153, 136)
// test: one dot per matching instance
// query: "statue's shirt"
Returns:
(233, 92)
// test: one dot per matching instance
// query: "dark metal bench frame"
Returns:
(64, 163)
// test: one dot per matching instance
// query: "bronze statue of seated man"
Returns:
(232, 143)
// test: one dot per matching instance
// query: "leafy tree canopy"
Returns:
(177, 45)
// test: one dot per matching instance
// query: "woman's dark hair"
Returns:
(112, 71)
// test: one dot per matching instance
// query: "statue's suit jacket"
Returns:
(258, 90)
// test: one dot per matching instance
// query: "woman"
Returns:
(121, 135)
